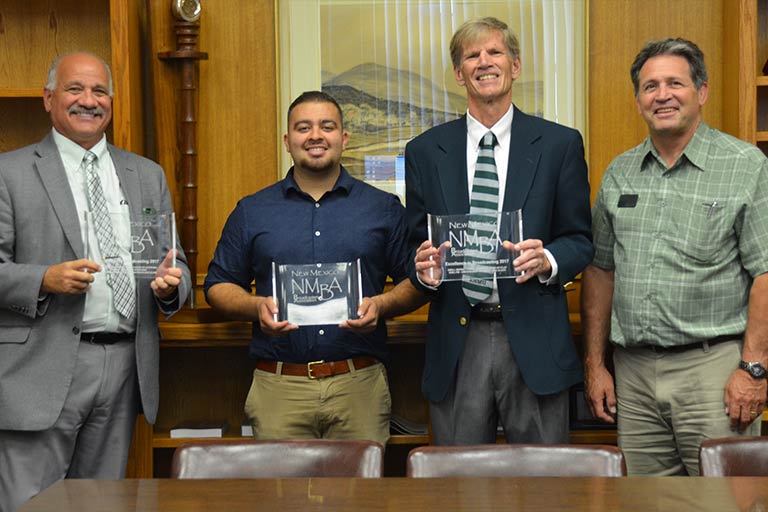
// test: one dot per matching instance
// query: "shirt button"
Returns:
(317, 205)
(75, 331)
(317, 233)
(463, 320)
(321, 332)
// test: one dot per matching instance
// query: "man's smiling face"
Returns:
(487, 70)
(667, 97)
(80, 105)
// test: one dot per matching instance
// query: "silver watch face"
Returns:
(755, 369)
(188, 10)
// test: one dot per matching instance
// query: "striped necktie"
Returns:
(483, 214)
(117, 275)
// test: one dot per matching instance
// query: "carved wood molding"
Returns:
(187, 58)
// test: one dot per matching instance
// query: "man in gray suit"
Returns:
(78, 331)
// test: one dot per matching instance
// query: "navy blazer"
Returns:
(547, 178)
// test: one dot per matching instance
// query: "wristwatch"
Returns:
(754, 369)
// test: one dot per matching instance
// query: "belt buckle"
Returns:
(309, 368)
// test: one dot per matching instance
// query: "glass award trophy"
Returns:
(152, 236)
(317, 294)
(472, 244)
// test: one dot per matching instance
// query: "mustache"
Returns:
(94, 111)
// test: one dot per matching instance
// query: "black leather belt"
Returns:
(702, 345)
(106, 338)
(485, 311)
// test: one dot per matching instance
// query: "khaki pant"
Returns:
(668, 403)
(354, 405)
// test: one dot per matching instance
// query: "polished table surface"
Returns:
(645, 494)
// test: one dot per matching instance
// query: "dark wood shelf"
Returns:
(21, 92)
(164, 440)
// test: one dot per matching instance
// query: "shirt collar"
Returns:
(72, 153)
(345, 182)
(476, 130)
(694, 152)
(697, 148)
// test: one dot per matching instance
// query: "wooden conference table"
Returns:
(404, 494)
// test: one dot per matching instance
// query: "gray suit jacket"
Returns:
(39, 227)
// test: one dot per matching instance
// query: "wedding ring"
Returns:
(753, 413)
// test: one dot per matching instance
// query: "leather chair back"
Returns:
(734, 456)
(516, 460)
(278, 459)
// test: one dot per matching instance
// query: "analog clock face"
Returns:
(188, 10)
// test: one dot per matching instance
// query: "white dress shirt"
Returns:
(100, 314)
(502, 130)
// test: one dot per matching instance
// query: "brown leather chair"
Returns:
(516, 460)
(734, 456)
(278, 459)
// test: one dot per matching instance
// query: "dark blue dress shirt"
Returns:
(283, 224)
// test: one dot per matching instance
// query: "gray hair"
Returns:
(678, 47)
(53, 71)
(472, 30)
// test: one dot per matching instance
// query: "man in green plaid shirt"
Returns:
(678, 284)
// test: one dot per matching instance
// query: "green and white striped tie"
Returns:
(483, 215)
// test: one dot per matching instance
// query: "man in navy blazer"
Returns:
(510, 359)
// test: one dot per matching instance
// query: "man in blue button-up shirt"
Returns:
(317, 214)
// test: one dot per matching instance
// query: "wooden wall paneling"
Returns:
(617, 31)
(128, 104)
(164, 89)
(236, 110)
(237, 115)
(28, 119)
(44, 29)
(740, 68)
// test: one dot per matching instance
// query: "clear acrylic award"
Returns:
(472, 244)
(152, 236)
(317, 294)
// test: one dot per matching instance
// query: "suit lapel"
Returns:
(129, 180)
(452, 169)
(54, 179)
(523, 161)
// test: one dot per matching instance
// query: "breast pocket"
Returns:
(707, 231)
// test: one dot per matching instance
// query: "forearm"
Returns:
(756, 334)
(401, 299)
(234, 302)
(596, 299)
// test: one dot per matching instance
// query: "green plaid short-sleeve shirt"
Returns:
(684, 242)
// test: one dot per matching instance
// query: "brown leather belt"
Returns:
(106, 338)
(318, 369)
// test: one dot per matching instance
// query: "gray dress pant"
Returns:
(489, 390)
(92, 435)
